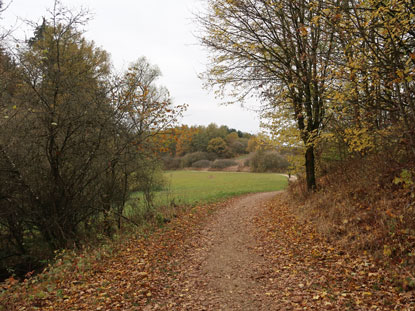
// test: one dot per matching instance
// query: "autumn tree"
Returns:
(204, 134)
(376, 71)
(72, 136)
(218, 146)
(278, 50)
(147, 109)
(146, 115)
(59, 125)
(184, 136)
(231, 137)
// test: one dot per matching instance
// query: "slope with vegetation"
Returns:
(337, 83)
(337, 79)
(186, 145)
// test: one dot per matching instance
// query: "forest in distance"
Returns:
(86, 152)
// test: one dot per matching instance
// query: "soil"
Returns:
(222, 271)
(253, 254)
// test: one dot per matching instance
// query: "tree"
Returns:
(239, 146)
(231, 137)
(218, 146)
(376, 73)
(252, 144)
(146, 110)
(277, 47)
(73, 136)
(185, 139)
(62, 120)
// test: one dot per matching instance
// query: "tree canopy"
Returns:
(332, 70)
(278, 50)
(74, 134)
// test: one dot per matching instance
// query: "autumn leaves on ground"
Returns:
(247, 253)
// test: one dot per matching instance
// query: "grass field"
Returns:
(191, 187)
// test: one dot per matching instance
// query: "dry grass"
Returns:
(361, 208)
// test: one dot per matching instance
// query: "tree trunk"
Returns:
(310, 169)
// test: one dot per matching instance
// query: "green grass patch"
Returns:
(198, 187)
(190, 187)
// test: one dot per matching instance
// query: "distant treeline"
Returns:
(214, 146)
(223, 141)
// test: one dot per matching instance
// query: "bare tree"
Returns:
(277, 49)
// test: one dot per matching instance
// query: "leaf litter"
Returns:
(247, 253)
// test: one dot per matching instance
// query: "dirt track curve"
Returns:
(222, 271)
(247, 253)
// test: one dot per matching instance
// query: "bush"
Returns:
(202, 164)
(191, 158)
(223, 163)
(239, 146)
(148, 180)
(268, 161)
(171, 163)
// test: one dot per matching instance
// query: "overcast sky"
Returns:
(161, 30)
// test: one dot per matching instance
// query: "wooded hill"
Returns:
(215, 147)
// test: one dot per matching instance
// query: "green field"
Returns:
(191, 187)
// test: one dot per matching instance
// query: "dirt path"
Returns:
(252, 253)
(222, 269)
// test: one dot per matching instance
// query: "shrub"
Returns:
(202, 164)
(148, 180)
(171, 163)
(268, 161)
(223, 163)
(239, 146)
(191, 158)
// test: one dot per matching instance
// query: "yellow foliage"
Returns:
(359, 140)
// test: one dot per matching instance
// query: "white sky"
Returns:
(162, 31)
